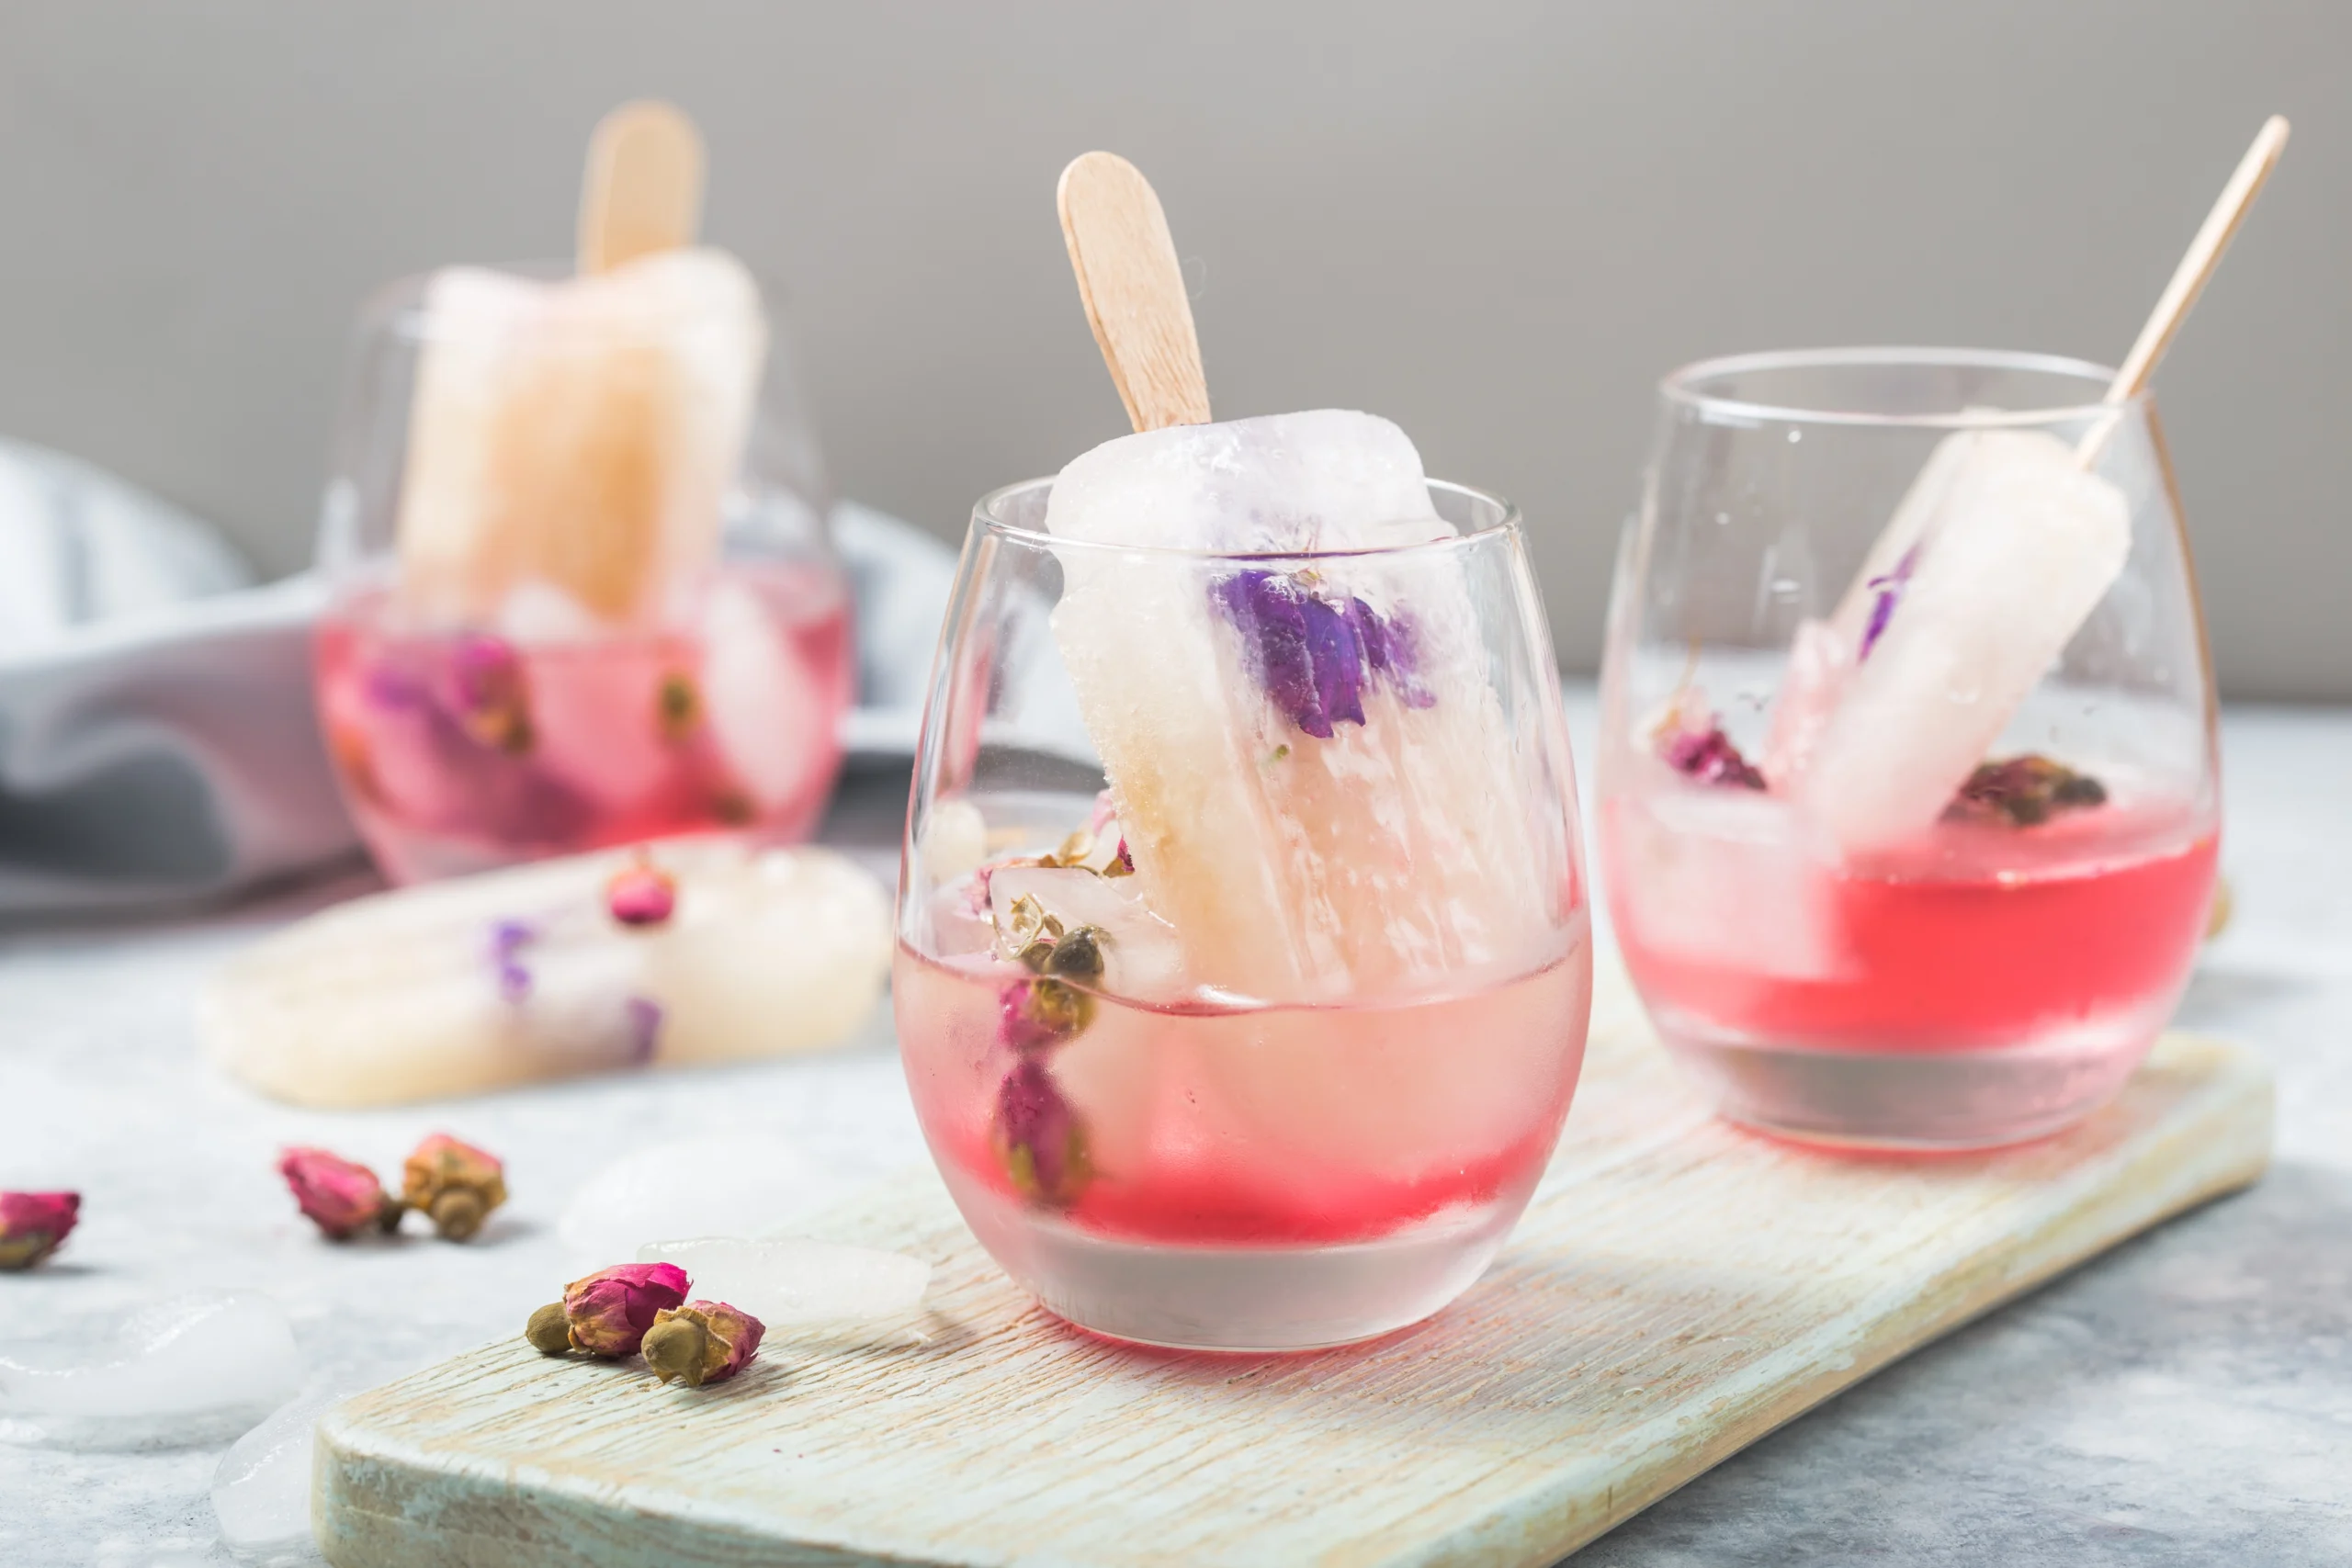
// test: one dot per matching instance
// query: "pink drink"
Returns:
(1202, 1138)
(1987, 982)
(463, 750)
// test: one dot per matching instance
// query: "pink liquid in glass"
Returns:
(1982, 982)
(461, 750)
(1244, 1126)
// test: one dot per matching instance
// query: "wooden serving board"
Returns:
(1678, 1289)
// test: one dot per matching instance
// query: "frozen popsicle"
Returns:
(537, 972)
(571, 441)
(1309, 764)
(1997, 556)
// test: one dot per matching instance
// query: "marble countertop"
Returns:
(2185, 1399)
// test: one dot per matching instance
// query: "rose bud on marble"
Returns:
(341, 1196)
(455, 1184)
(702, 1342)
(608, 1313)
(35, 1225)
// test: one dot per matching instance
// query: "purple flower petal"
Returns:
(1312, 657)
(1890, 592)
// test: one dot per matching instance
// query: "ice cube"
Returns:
(764, 706)
(1141, 956)
(521, 975)
(1315, 777)
(580, 433)
(2020, 551)
(261, 1490)
(788, 1280)
(1726, 877)
(192, 1368)
(718, 1185)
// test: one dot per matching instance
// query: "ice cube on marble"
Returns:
(1295, 866)
(191, 1368)
(2023, 548)
(261, 1489)
(522, 975)
(785, 1281)
(721, 1184)
(581, 433)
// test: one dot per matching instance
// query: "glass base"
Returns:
(1926, 1100)
(1243, 1298)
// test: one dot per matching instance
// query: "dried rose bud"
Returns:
(1709, 756)
(677, 707)
(34, 1224)
(550, 1330)
(1078, 956)
(2025, 791)
(642, 894)
(341, 1196)
(1039, 1137)
(493, 695)
(609, 1311)
(702, 1342)
(1034, 1014)
(456, 1185)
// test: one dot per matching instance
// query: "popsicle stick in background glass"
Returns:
(2001, 550)
(642, 192)
(1133, 288)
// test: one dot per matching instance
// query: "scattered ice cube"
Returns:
(191, 1368)
(784, 1279)
(711, 1186)
(1727, 876)
(261, 1490)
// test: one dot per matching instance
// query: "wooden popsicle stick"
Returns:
(1133, 288)
(2188, 279)
(643, 188)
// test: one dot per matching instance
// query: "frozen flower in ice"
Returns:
(641, 893)
(341, 1196)
(34, 1224)
(608, 1313)
(454, 1184)
(1887, 592)
(2025, 791)
(644, 1017)
(508, 939)
(702, 1342)
(1076, 956)
(1039, 1137)
(493, 695)
(1312, 656)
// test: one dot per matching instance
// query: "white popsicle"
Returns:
(520, 975)
(1292, 865)
(579, 434)
(2021, 549)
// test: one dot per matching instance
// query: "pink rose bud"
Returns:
(339, 1196)
(610, 1310)
(702, 1342)
(454, 1183)
(642, 894)
(34, 1224)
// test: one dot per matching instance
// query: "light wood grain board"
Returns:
(1677, 1290)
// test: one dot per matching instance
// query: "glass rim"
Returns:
(1684, 387)
(986, 513)
(395, 308)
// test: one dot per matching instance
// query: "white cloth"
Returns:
(158, 741)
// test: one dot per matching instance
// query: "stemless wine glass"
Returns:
(1260, 1036)
(1889, 865)
(478, 734)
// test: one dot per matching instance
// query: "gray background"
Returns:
(1494, 222)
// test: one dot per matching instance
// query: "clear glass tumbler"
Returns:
(1243, 964)
(1908, 784)
(564, 616)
